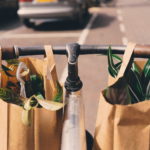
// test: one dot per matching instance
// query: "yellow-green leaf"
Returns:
(27, 105)
(50, 105)
(59, 95)
(27, 117)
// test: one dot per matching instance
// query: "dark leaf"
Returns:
(29, 90)
(135, 84)
(10, 96)
(118, 93)
(37, 84)
(10, 84)
(113, 70)
(117, 66)
(6, 70)
(147, 97)
(146, 75)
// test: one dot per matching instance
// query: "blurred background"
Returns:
(94, 22)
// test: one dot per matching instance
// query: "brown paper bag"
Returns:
(122, 127)
(45, 130)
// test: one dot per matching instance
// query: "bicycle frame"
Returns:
(73, 135)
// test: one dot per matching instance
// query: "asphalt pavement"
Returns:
(126, 21)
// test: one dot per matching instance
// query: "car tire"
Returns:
(80, 20)
(28, 23)
(86, 12)
(83, 15)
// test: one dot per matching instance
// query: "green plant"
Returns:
(138, 82)
(35, 94)
(38, 100)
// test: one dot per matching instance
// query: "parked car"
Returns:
(43, 9)
(8, 5)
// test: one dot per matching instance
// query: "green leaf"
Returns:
(27, 117)
(135, 83)
(134, 97)
(10, 96)
(147, 97)
(37, 84)
(146, 75)
(146, 69)
(39, 96)
(118, 65)
(59, 94)
(135, 68)
(117, 57)
(48, 104)
(138, 84)
(111, 66)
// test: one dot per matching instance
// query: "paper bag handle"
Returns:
(0, 64)
(126, 59)
(0, 56)
(51, 63)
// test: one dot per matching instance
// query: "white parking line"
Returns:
(86, 30)
(40, 35)
(122, 27)
(119, 11)
(81, 40)
(124, 40)
(120, 18)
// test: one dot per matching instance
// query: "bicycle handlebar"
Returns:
(141, 51)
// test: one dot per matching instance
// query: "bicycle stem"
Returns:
(73, 82)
